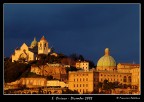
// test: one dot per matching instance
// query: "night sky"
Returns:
(85, 29)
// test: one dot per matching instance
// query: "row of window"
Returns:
(135, 80)
(80, 85)
(40, 48)
(110, 75)
(111, 79)
(124, 79)
(44, 45)
(80, 74)
(82, 90)
(81, 79)
(83, 64)
(135, 70)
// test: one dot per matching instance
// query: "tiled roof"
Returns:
(43, 38)
(129, 64)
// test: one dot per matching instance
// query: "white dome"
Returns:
(106, 60)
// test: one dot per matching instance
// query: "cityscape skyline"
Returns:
(85, 29)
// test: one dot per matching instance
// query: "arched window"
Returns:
(124, 79)
(129, 79)
(45, 45)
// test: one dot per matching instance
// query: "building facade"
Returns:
(106, 69)
(83, 65)
(23, 53)
(56, 83)
(55, 71)
(83, 81)
(135, 78)
(43, 47)
(30, 53)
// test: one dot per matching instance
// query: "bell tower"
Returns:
(43, 46)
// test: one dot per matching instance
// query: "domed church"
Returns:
(29, 53)
(106, 62)
(124, 73)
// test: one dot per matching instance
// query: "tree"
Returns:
(91, 64)
(71, 69)
(100, 84)
(74, 56)
(106, 85)
(68, 61)
(14, 70)
(50, 77)
(81, 58)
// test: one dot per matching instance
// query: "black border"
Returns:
(98, 98)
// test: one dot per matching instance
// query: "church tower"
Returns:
(43, 46)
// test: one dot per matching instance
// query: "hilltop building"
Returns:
(28, 53)
(83, 65)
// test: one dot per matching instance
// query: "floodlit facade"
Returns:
(43, 46)
(23, 53)
(83, 81)
(55, 71)
(135, 78)
(83, 64)
(29, 53)
(56, 83)
(106, 69)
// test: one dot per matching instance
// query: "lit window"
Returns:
(124, 79)
(86, 79)
(129, 79)
(45, 45)
(86, 90)
(86, 85)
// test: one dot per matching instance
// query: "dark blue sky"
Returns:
(85, 29)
